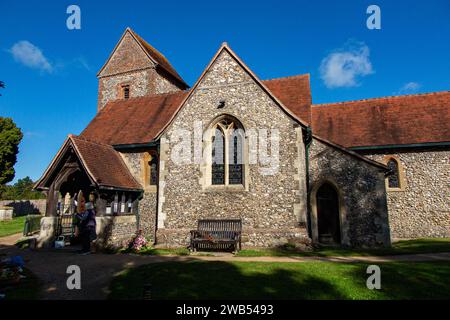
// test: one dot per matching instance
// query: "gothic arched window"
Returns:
(227, 167)
(394, 177)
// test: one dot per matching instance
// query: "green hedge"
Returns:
(32, 224)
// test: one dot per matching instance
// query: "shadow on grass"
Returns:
(262, 280)
(214, 280)
(398, 248)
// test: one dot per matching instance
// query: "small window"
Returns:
(394, 177)
(122, 203)
(153, 163)
(150, 170)
(115, 204)
(126, 91)
(129, 205)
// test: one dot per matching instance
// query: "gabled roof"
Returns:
(398, 120)
(159, 58)
(103, 165)
(139, 120)
(154, 55)
(226, 48)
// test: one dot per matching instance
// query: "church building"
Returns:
(159, 155)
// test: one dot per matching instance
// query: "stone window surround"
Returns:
(206, 166)
(401, 173)
(148, 155)
(343, 225)
(121, 91)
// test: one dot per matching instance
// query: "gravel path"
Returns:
(97, 270)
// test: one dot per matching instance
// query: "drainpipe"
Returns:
(307, 139)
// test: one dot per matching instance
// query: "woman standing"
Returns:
(87, 228)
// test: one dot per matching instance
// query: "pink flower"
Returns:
(138, 242)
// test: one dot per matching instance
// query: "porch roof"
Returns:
(103, 165)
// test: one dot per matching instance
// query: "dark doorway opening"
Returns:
(328, 215)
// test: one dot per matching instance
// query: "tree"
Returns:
(2, 85)
(21, 190)
(10, 137)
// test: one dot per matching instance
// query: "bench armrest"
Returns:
(194, 233)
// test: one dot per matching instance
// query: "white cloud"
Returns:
(33, 134)
(410, 87)
(31, 56)
(343, 67)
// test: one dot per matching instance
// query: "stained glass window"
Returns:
(227, 167)
(235, 165)
(218, 158)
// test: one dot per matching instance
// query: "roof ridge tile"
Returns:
(297, 76)
(380, 98)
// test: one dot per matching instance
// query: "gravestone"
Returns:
(6, 213)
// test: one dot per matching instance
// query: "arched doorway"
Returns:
(328, 221)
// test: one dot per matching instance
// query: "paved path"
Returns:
(97, 270)
(10, 240)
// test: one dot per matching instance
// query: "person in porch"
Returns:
(87, 228)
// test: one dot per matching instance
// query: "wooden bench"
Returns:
(217, 234)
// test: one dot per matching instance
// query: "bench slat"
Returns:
(217, 233)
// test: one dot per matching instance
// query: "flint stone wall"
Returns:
(112, 231)
(24, 207)
(363, 205)
(423, 208)
(270, 206)
(115, 231)
(148, 203)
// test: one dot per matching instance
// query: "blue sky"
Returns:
(50, 71)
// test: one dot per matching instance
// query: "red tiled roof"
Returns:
(139, 120)
(398, 120)
(133, 121)
(103, 165)
(159, 58)
(294, 92)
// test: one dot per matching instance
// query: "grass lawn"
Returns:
(13, 226)
(432, 245)
(267, 280)
(400, 247)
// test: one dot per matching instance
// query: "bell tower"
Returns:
(135, 69)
